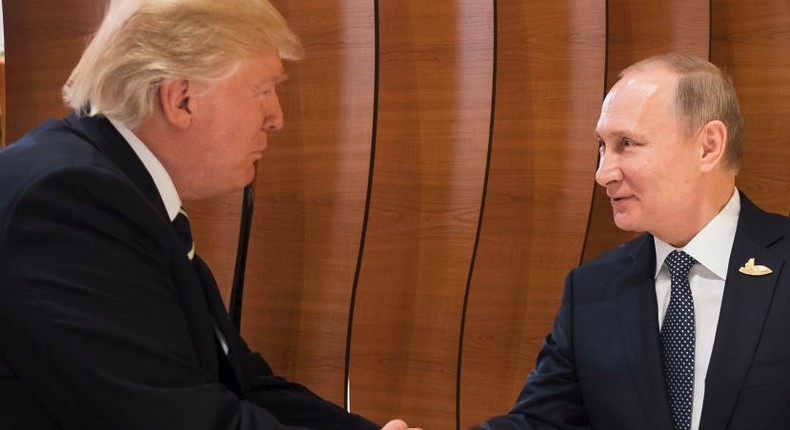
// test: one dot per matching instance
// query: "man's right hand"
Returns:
(398, 424)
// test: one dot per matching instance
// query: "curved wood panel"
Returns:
(311, 191)
(637, 30)
(434, 117)
(750, 41)
(215, 229)
(436, 61)
(43, 42)
(550, 77)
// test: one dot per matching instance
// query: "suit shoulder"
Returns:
(767, 228)
(49, 146)
(616, 255)
(44, 156)
(51, 160)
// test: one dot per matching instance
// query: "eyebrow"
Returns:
(622, 133)
(275, 80)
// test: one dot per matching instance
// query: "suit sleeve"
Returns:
(289, 402)
(90, 320)
(551, 398)
(292, 403)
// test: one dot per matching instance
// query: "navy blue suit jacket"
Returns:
(600, 367)
(104, 321)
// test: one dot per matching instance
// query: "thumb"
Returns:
(396, 424)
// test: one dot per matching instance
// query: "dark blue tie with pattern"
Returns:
(677, 340)
(184, 233)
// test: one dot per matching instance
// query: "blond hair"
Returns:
(704, 93)
(142, 42)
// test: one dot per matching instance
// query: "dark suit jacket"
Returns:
(104, 322)
(601, 365)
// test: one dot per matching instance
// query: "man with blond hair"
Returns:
(108, 320)
(687, 326)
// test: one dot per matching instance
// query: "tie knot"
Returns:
(679, 263)
(184, 233)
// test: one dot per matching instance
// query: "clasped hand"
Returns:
(398, 424)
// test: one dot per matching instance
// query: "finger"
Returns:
(396, 424)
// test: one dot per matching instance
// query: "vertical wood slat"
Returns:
(313, 179)
(43, 41)
(637, 30)
(549, 83)
(750, 41)
(311, 191)
(431, 149)
(215, 229)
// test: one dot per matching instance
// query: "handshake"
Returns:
(398, 424)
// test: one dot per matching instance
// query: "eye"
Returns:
(627, 142)
(601, 147)
(264, 91)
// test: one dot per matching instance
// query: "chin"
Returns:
(626, 224)
(248, 180)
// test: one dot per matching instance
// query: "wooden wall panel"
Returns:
(43, 41)
(436, 63)
(425, 247)
(311, 192)
(215, 230)
(750, 41)
(549, 81)
(637, 30)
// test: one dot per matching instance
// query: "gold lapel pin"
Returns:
(752, 269)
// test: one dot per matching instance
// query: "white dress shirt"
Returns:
(711, 247)
(163, 182)
(167, 190)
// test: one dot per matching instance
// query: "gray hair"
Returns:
(704, 93)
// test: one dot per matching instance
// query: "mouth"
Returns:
(616, 201)
(258, 153)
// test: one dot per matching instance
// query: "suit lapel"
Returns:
(637, 306)
(99, 132)
(194, 305)
(744, 309)
(220, 314)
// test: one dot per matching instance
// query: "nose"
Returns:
(608, 170)
(273, 119)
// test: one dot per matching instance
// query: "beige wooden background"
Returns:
(434, 182)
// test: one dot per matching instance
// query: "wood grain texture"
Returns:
(43, 41)
(549, 82)
(639, 29)
(751, 41)
(311, 193)
(421, 246)
(436, 62)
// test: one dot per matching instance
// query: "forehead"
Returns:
(639, 98)
(266, 67)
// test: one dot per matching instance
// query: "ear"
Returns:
(713, 145)
(174, 96)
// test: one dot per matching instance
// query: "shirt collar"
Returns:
(162, 179)
(711, 247)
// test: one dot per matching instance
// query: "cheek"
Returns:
(246, 123)
(637, 172)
